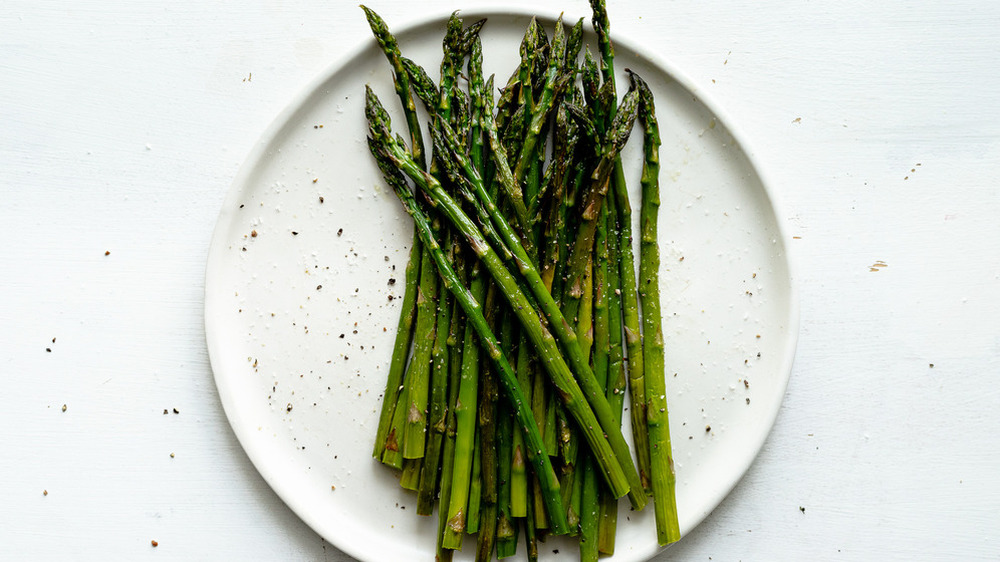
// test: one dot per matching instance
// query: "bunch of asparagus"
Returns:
(519, 331)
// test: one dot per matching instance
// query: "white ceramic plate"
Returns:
(300, 322)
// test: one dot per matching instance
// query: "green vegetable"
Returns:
(523, 323)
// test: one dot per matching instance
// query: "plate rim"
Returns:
(275, 128)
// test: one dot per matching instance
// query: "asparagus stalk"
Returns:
(661, 457)
(633, 337)
(506, 526)
(633, 340)
(530, 534)
(404, 329)
(448, 450)
(602, 302)
(589, 512)
(486, 538)
(415, 419)
(525, 360)
(576, 496)
(475, 488)
(465, 429)
(459, 508)
(418, 381)
(616, 375)
(400, 349)
(518, 472)
(438, 409)
(590, 519)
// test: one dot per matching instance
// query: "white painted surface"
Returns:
(124, 126)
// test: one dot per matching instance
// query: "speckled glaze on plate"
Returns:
(301, 308)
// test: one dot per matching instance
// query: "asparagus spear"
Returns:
(661, 457)
(448, 451)
(530, 534)
(438, 409)
(518, 472)
(404, 329)
(616, 375)
(475, 486)
(590, 520)
(457, 325)
(400, 349)
(488, 430)
(418, 379)
(457, 509)
(465, 429)
(633, 337)
(589, 512)
(506, 526)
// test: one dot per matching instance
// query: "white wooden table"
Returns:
(125, 124)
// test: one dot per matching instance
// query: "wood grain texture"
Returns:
(124, 125)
